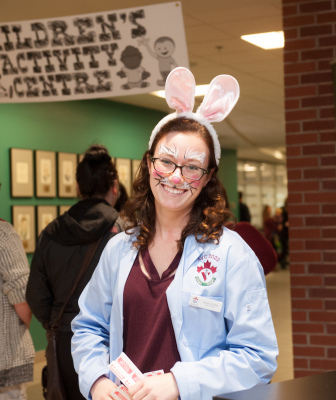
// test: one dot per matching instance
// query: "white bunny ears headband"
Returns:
(222, 95)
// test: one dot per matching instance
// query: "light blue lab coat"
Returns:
(221, 351)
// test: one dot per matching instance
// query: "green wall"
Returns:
(72, 127)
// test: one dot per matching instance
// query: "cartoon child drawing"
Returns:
(164, 47)
(132, 70)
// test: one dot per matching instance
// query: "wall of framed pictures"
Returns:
(52, 175)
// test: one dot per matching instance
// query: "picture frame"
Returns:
(23, 219)
(63, 209)
(21, 172)
(45, 173)
(80, 157)
(67, 164)
(45, 214)
(123, 166)
(135, 167)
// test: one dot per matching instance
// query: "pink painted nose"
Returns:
(176, 179)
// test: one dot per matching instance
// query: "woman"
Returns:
(178, 291)
(270, 226)
(61, 250)
(17, 349)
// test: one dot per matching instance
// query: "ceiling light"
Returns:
(267, 40)
(200, 90)
(249, 168)
(276, 153)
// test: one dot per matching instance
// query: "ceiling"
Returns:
(213, 28)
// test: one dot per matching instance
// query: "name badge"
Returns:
(204, 302)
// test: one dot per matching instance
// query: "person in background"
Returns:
(17, 349)
(178, 291)
(270, 226)
(123, 197)
(284, 236)
(62, 247)
(262, 248)
(244, 212)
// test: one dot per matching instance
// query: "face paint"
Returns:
(185, 185)
(196, 155)
(167, 150)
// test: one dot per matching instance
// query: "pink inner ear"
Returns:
(180, 90)
(222, 95)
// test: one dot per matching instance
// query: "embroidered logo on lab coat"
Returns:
(205, 274)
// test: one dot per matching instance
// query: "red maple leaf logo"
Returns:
(207, 265)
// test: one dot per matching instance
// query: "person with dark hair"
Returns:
(62, 247)
(284, 236)
(177, 291)
(270, 225)
(123, 197)
(244, 212)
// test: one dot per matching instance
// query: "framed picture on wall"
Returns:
(23, 218)
(21, 168)
(67, 164)
(63, 209)
(123, 166)
(80, 157)
(135, 166)
(45, 173)
(45, 214)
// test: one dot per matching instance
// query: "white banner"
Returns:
(106, 54)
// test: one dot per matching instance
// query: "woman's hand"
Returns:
(159, 387)
(102, 388)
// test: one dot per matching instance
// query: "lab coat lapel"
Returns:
(192, 250)
(125, 266)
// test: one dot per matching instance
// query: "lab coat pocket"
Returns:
(201, 326)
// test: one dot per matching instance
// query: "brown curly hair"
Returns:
(209, 212)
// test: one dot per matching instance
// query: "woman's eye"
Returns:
(166, 162)
(192, 168)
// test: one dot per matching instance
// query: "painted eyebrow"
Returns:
(168, 150)
(196, 155)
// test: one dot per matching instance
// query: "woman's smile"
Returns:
(173, 190)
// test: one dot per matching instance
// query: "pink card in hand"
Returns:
(120, 393)
(125, 370)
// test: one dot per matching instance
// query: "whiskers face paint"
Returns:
(185, 185)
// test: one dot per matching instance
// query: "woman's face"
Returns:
(173, 191)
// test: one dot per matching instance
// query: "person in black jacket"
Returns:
(61, 249)
(244, 212)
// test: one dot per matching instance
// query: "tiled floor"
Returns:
(278, 288)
